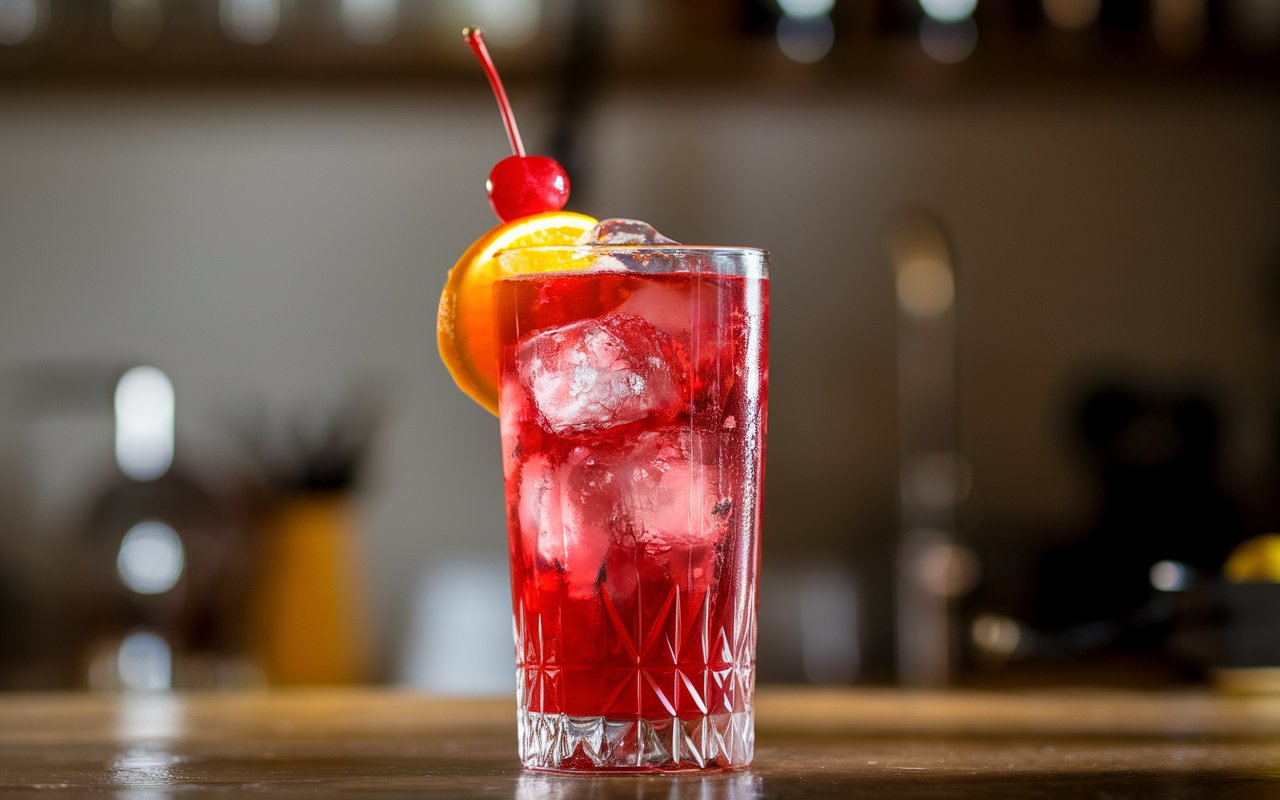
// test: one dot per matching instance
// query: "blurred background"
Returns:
(1025, 345)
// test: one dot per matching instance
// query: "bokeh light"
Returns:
(144, 406)
(1180, 26)
(506, 23)
(805, 40)
(995, 636)
(145, 662)
(926, 287)
(805, 9)
(1169, 576)
(249, 21)
(1072, 15)
(151, 558)
(948, 10)
(369, 22)
(948, 42)
(22, 20)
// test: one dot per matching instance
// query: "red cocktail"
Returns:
(633, 420)
(630, 376)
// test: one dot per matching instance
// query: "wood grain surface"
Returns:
(810, 744)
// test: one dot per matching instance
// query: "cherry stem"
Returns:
(475, 37)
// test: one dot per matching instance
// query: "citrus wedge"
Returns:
(464, 326)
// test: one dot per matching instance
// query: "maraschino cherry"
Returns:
(519, 185)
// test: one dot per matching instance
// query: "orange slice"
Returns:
(464, 327)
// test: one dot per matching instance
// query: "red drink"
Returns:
(632, 398)
(633, 422)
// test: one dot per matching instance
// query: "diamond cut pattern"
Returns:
(676, 690)
(559, 741)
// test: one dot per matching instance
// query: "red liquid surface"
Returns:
(633, 424)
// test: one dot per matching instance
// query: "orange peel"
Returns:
(465, 330)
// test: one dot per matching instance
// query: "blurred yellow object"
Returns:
(308, 621)
(1255, 561)
(1248, 681)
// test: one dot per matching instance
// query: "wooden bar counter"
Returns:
(810, 744)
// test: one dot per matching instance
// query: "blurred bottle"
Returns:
(307, 602)
(308, 610)
(160, 562)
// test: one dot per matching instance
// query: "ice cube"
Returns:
(678, 504)
(565, 514)
(661, 497)
(680, 309)
(691, 312)
(674, 492)
(665, 506)
(539, 509)
(624, 232)
(599, 373)
(512, 403)
(670, 309)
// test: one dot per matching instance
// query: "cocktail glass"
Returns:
(633, 397)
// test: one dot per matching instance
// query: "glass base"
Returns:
(562, 742)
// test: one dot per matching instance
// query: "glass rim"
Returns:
(752, 262)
